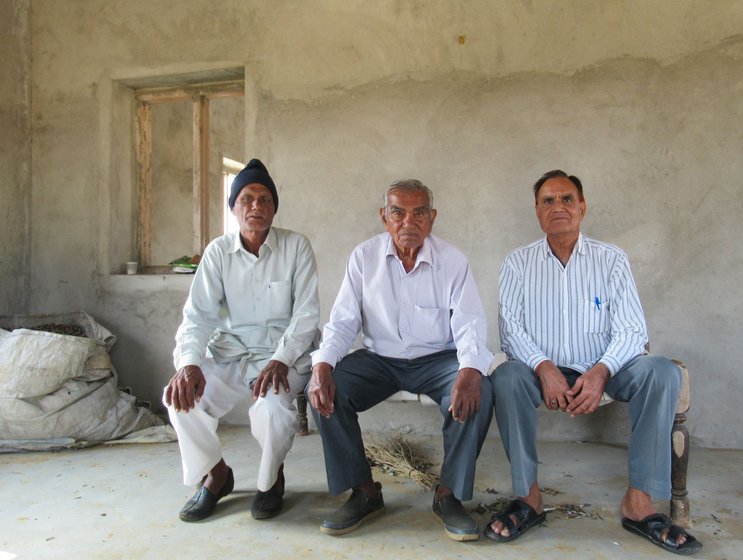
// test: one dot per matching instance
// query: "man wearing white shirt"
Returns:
(249, 325)
(573, 328)
(414, 299)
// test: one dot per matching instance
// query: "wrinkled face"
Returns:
(408, 217)
(559, 207)
(254, 208)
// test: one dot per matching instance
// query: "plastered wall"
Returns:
(642, 100)
(15, 155)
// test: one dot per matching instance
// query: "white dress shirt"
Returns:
(433, 307)
(575, 316)
(264, 307)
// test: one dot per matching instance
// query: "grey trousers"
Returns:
(650, 384)
(364, 379)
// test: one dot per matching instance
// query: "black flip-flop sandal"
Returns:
(526, 518)
(653, 527)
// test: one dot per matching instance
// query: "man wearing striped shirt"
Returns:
(573, 328)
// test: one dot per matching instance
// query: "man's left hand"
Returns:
(465, 396)
(275, 374)
(587, 391)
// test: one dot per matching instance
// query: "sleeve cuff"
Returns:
(611, 364)
(480, 363)
(284, 357)
(188, 359)
(324, 355)
(535, 360)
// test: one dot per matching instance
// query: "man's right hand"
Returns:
(554, 386)
(185, 388)
(322, 389)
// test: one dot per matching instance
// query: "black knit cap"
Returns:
(254, 172)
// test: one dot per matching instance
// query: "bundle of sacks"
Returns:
(60, 387)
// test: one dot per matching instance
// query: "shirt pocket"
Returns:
(277, 299)
(431, 324)
(595, 316)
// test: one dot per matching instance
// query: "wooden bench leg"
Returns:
(680, 513)
(302, 415)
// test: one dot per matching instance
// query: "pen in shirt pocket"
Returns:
(597, 301)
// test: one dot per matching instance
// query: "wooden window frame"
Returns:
(199, 95)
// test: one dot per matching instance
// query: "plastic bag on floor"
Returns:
(63, 388)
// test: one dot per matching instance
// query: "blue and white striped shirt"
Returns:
(575, 316)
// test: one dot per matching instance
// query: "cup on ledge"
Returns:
(131, 267)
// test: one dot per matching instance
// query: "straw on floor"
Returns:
(399, 457)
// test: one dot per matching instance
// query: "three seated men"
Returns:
(570, 323)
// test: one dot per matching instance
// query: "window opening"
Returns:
(230, 169)
(182, 211)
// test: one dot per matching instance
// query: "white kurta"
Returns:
(247, 310)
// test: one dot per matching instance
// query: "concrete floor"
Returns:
(122, 502)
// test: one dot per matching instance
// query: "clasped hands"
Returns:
(585, 395)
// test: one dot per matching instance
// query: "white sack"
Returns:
(36, 363)
(57, 387)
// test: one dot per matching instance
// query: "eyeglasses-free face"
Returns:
(254, 208)
(559, 207)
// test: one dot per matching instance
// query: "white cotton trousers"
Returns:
(273, 422)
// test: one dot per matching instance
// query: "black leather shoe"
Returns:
(202, 504)
(457, 523)
(357, 509)
(268, 504)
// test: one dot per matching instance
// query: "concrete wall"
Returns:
(642, 100)
(15, 155)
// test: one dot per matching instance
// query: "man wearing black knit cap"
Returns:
(248, 327)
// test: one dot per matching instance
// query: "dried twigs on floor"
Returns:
(397, 456)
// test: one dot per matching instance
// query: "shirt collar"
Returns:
(269, 243)
(236, 243)
(580, 247)
(424, 254)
